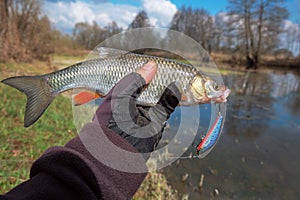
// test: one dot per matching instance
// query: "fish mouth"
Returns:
(223, 97)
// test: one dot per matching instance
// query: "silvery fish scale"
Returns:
(103, 73)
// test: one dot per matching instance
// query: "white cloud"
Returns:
(79, 11)
(160, 12)
(65, 14)
(287, 24)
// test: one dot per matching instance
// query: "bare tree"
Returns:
(24, 30)
(258, 22)
(113, 28)
(292, 38)
(89, 36)
(196, 23)
(218, 36)
(141, 20)
(3, 28)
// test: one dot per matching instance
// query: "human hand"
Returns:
(141, 126)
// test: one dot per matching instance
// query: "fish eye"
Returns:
(216, 87)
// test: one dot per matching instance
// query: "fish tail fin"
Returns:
(39, 95)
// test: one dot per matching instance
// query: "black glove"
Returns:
(141, 126)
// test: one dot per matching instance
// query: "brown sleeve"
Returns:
(71, 172)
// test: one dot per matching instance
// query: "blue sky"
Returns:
(64, 14)
(213, 6)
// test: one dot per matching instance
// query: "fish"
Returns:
(99, 75)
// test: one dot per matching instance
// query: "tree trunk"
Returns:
(3, 29)
(259, 32)
(248, 37)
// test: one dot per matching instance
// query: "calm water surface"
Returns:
(257, 156)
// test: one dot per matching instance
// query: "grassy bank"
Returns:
(19, 147)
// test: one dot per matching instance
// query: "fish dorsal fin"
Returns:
(107, 52)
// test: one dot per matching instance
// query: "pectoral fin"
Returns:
(85, 97)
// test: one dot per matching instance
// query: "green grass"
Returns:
(20, 146)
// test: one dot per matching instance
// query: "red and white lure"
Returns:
(208, 142)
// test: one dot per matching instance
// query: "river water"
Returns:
(257, 157)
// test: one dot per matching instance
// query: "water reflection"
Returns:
(265, 84)
(284, 84)
(257, 157)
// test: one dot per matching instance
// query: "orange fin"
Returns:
(85, 97)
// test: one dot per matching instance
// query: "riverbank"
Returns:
(236, 61)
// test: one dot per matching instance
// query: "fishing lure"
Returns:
(207, 143)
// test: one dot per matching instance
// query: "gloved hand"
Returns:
(141, 126)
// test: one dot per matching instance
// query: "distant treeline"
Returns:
(249, 31)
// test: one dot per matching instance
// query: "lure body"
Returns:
(207, 143)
